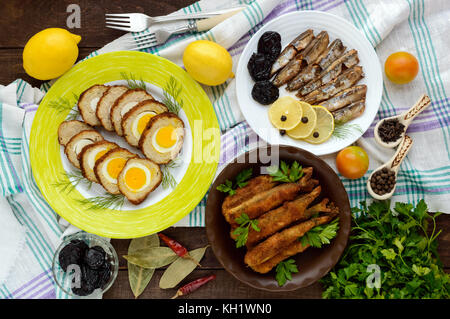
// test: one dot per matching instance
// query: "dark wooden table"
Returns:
(23, 18)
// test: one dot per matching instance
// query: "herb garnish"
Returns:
(132, 83)
(241, 181)
(68, 184)
(285, 173)
(242, 231)
(401, 244)
(108, 200)
(171, 94)
(168, 180)
(284, 271)
(64, 104)
(320, 235)
(342, 130)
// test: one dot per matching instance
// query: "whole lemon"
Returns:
(208, 62)
(50, 53)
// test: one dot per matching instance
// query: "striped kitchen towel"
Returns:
(416, 26)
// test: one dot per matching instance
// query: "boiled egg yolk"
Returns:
(100, 154)
(143, 121)
(166, 136)
(135, 178)
(115, 166)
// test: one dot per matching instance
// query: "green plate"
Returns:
(164, 207)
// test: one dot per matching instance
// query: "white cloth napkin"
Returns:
(12, 237)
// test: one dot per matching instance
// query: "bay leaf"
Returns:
(181, 268)
(152, 257)
(139, 277)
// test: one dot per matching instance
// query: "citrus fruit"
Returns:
(401, 67)
(352, 162)
(50, 53)
(307, 122)
(285, 113)
(208, 62)
(324, 126)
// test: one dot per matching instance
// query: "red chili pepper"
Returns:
(193, 286)
(177, 248)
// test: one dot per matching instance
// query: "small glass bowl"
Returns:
(64, 279)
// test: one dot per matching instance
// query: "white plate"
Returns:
(289, 26)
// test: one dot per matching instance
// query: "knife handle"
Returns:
(207, 24)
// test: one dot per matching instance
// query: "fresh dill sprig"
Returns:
(344, 130)
(168, 180)
(132, 82)
(108, 200)
(62, 105)
(68, 184)
(171, 94)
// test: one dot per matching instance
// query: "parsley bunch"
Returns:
(400, 245)
(242, 231)
(241, 180)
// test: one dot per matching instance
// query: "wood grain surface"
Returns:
(23, 18)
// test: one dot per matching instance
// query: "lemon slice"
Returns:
(285, 113)
(307, 123)
(324, 126)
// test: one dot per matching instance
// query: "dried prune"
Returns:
(259, 67)
(85, 289)
(270, 45)
(265, 92)
(95, 257)
(72, 254)
(104, 275)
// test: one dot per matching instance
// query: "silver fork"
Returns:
(137, 22)
(159, 36)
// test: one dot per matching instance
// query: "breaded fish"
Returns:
(346, 97)
(291, 250)
(274, 220)
(345, 80)
(277, 242)
(264, 201)
(291, 50)
(254, 186)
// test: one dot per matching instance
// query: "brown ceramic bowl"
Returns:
(314, 263)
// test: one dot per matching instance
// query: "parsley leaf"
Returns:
(286, 174)
(227, 187)
(243, 177)
(241, 180)
(284, 271)
(242, 231)
(320, 235)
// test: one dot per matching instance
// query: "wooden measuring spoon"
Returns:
(392, 165)
(404, 118)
